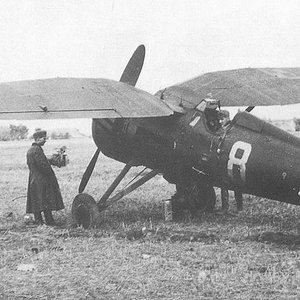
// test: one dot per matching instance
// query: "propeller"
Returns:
(134, 67)
(130, 76)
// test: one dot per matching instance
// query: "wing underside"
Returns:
(60, 98)
(244, 87)
(102, 98)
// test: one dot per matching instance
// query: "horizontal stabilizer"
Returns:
(60, 98)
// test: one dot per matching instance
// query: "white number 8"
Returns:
(238, 156)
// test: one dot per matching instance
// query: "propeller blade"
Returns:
(134, 66)
(88, 172)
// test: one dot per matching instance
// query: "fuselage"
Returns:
(249, 154)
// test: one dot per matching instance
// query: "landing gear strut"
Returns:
(86, 211)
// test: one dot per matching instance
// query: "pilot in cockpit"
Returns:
(224, 118)
(216, 119)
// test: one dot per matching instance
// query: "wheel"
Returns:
(85, 211)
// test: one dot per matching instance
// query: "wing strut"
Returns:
(88, 172)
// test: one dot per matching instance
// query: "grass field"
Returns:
(250, 255)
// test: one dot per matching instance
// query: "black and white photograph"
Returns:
(149, 149)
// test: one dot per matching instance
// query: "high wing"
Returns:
(60, 98)
(241, 87)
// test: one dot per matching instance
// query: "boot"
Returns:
(239, 200)
(49, 218)
(38, 219)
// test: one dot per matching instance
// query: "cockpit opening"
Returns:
(216, 119)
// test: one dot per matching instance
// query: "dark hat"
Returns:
(39, 134)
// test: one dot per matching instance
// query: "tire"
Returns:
(85, 211)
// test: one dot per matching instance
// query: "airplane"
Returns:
(180, 132)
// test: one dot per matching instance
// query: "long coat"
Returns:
(43, 190)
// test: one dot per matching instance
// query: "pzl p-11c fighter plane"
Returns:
(180, 132)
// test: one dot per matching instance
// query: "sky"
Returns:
(183, 39)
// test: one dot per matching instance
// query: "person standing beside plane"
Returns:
(238, 199)
(225, 199)
(43, 194)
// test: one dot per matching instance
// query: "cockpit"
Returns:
(216, 119)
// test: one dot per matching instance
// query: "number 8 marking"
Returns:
(238, 156)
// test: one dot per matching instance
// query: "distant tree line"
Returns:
(13, 132)
(20, 132)
(59, 135)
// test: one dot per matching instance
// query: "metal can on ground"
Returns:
(168, 210)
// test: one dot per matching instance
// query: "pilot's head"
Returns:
(40, 137)
(224, 117)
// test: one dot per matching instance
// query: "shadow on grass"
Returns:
(127, 219)
(292, 241)
(258, 213)
(259, 216)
